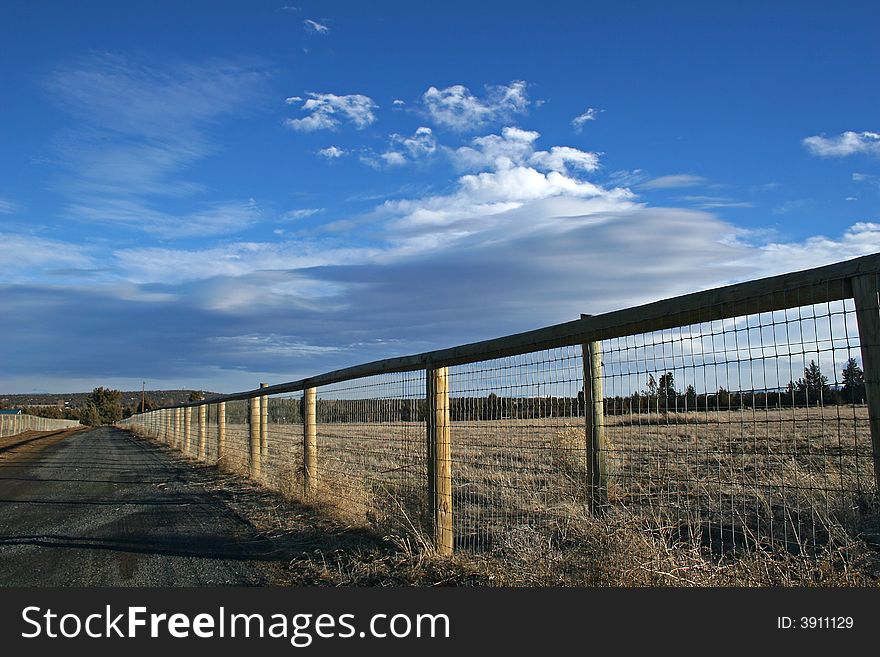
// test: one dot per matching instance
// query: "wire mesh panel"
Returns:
(211, 426)
(372, 449)
(282, 457)
(731, 434)
(744, 432)
(518, 446)
(236, 451)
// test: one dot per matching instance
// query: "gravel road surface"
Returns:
(99, 507)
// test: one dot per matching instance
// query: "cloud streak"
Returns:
(140, 128)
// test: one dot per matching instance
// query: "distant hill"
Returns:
(76, 399)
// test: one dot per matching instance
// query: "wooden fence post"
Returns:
(221, 430)
(178, 426)
(254, 436)
(865, 295)
(594, 415)
(310, 442)
(203, 432)
(264, 424)
(439, 458)
(187, 429)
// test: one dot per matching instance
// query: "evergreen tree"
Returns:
(814, 386)
(853, 382)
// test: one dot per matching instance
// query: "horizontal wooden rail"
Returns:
(810, 286)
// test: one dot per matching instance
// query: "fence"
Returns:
(744, 417)
(11, 424)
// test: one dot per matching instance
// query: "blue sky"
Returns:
(213, 194)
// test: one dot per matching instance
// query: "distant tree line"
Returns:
(660, 395)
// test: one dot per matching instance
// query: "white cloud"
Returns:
(673, 181)
(421, 143)
(563, 158)
(516, 147)
(397, 102)
(457, 108)
(589, 115)
(846, 143)
(331, 152)
(330, 110)
(313, 27)
(393, 158)
(402, 149)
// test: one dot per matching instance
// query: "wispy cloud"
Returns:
(457, 108)
(867, 178)
(302, 213)
(791, 206)
(673, 181)
(711, 202)
(219, 218)
(141, 126)
(589, 115)
(314, 27)
(8, 207)
(26, 257)
(328, 111)
(844, 144)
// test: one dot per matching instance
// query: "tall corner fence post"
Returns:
(203, 432)
(310, 442)
(594, 417)
(439, 458)
(221, 430)
(866, 294)
(264, 424)
(254, 436)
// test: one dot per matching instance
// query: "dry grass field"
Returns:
(781, 496)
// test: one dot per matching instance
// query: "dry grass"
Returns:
(776, 497)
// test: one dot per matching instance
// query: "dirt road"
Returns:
(100, 507)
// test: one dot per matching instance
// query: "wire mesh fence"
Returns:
(739, 425)
(371, 449)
